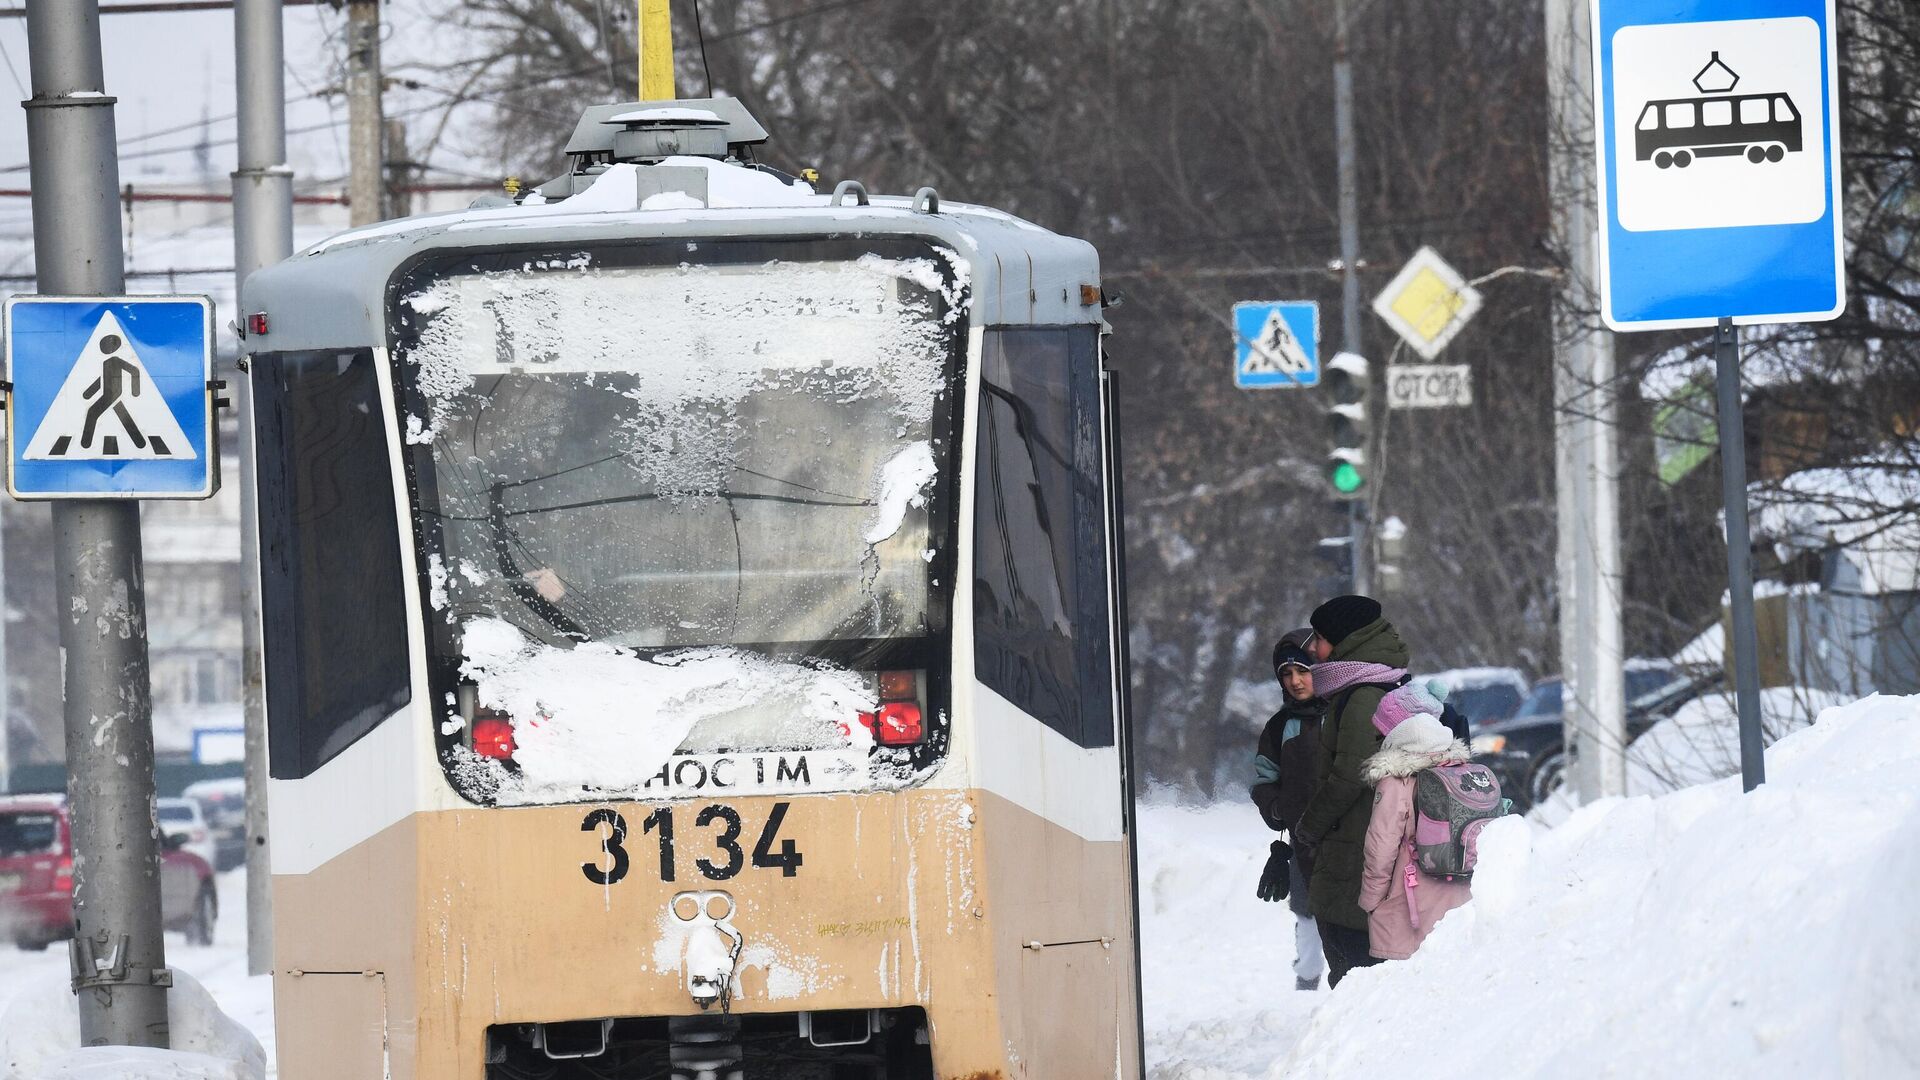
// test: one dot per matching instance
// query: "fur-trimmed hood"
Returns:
(1419, 742)
(1394, 761)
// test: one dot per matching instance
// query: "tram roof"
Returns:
(333, 295)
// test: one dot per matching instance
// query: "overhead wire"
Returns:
(18, 85)
(701, 33)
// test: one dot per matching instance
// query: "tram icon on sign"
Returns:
(1762, 127)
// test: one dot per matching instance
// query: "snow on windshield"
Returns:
(602, 718)
(740, 325)
(732, 462)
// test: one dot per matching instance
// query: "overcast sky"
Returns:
(170, 70)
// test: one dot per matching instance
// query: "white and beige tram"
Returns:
(693, 619)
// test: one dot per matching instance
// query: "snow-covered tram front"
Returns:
(692, 640)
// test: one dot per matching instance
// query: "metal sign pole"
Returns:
(1733, 489)
(1349, 181)
(119, 958)
(262, 236)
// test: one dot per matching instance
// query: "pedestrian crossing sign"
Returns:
(110, 397)
(1276, 344)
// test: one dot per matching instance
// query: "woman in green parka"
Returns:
(1358, 658)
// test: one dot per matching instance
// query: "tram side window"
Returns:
(335, 623)
(1040, 569)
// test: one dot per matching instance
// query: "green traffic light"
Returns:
(1346, 478)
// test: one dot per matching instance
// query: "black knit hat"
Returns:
(1291, 649)
(1342, 615)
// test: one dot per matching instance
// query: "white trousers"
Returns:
(1308, 961)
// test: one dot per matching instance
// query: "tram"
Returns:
(693, 623)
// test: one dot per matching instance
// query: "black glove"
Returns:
(1273, 880)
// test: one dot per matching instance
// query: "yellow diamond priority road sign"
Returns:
(1427, 303)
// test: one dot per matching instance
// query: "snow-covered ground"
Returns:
(1216, 961)
(1704, 933)
(221, 968)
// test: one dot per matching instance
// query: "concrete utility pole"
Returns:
(366, 134)
(399, 171)
(262, 236)
(1349, 183)
(1586, 454)
(119, 957)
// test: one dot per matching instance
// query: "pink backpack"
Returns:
(1451, 804)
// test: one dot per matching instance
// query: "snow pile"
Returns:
(1701, 741)
(1704, 933)
(1865, 508)
(140, 1063)
(602, 718)
(40, 1031)
(1709, 650)
(728, 187)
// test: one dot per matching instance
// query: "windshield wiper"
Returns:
(649, 496)
(515, 577)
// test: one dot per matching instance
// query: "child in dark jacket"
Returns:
(1283, 779)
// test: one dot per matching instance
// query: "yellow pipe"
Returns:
(656, 51)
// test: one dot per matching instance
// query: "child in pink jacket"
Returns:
(1415, 739)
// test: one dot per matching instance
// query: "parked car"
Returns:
(182, 817)
(224, 803)
(1484, 695)
(1527, 751)
(36, 877)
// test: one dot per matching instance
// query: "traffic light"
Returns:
(1346, 381)
(1390, 543)
(1336, 553)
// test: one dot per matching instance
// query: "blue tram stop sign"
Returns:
(1715, 127)
(110, 397)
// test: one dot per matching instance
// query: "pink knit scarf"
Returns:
(1332, 676)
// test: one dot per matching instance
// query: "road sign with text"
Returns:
(110, 397)
(1429, 386)
(1719, 158)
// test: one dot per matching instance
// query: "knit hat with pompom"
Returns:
(1413, 699)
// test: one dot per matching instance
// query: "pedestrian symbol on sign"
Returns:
(108, 408)
(1276, 350)
(1276, 344)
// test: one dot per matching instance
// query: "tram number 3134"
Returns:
(728, 857)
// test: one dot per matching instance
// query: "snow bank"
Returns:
(139, 1063)
(40, 1036)
(1701, 742)
(1705, 933)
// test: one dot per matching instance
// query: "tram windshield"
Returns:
(682, 506)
